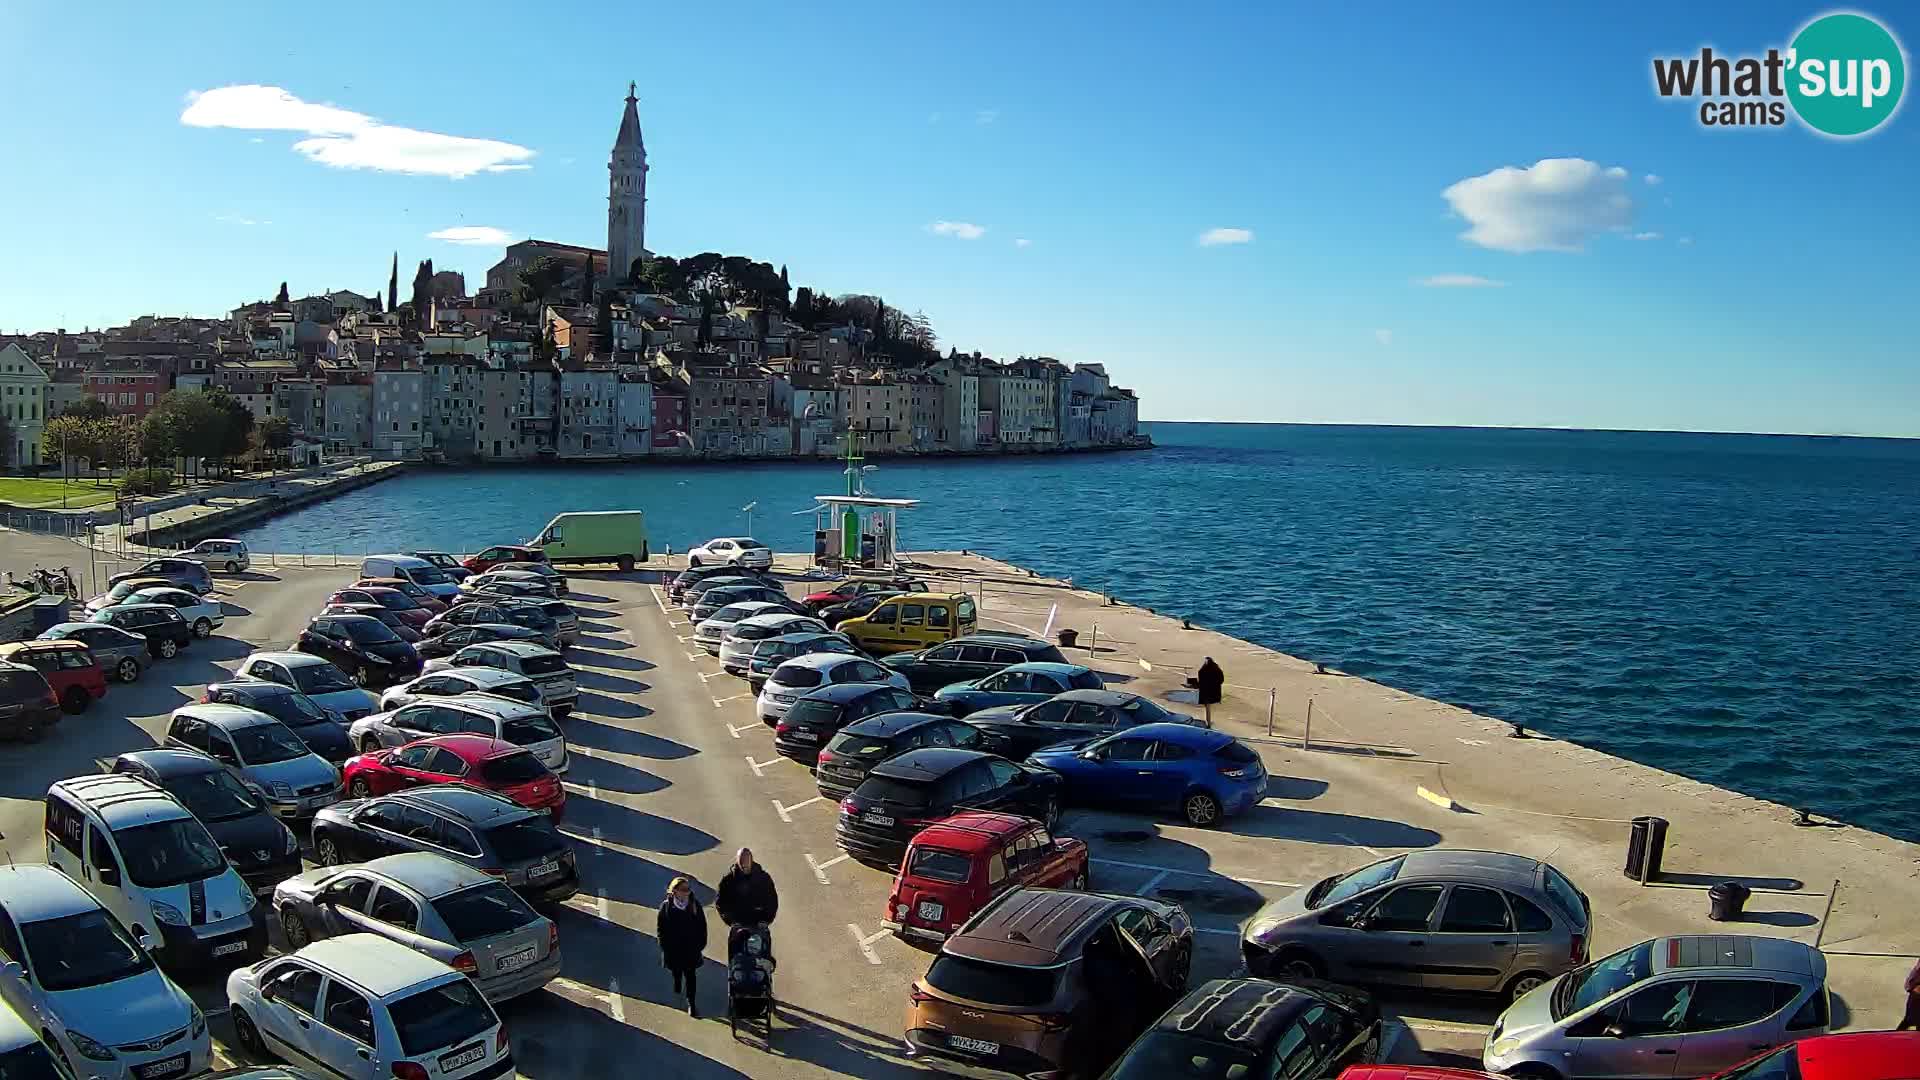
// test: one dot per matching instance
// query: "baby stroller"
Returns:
(750, 967)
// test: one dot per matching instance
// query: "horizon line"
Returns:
(1541, 427)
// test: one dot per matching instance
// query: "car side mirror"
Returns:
(1614, 1031)
(1361, 922)
(108, 875)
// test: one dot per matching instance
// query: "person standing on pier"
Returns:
(1208, 680)
(1911, 1021)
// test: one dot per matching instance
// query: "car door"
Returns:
(1474, 944)
(1153, 936)
(936, 668)
(1730, 1020)
(411, 766)
(397, 915)
(342, 1042)
(417, 721)
(16, 988)
(1294, 1056)
(380, 829)
(1388, 943)
(1339, 1036)
(1007, 786)
(1122, 775)
(1637, 1036)
(220, 748)
(342, 904)
(1168, 770)
(289, 1002)
(1039, 725)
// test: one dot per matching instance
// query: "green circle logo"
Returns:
(1845, 74)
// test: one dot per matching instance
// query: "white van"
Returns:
(155, 867)
(408, 568)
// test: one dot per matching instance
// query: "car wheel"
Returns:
(233, 568)
(325, 851)
(1523, 983)
(1370, 1050)
(693, 560)
(369, 744)
(169, 648)
(1200, 808)
(202, 627)
(246, 1034)
(127, 670)
(1298, 964)
(75, 700)
(1050, 814)
(1082, 881)
(626, 564)
(296, 929)
(359, 789)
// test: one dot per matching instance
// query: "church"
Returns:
(626, 216)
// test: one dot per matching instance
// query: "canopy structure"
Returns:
(857, 531)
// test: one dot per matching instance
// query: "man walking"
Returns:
(746, 896)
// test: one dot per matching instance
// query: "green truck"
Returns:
(595, 536)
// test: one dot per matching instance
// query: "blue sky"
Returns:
(1773, 288)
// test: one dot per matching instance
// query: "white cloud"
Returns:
(1021, 241)
(1646, 236)
(478, 235)
(959, 230)
(1217, 236)
(1552, 205)
(986, 116)
(344, 139)
(1460, 281)
(1653, 179)
(1384, 337)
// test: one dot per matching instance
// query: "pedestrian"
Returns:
(1911, 1021)
(746, 896)
(1208, 680)
(682, 933)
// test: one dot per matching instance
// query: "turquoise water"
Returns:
(1741, 609)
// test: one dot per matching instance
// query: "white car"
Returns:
(732, 551)
(112, 1012)
(708, 632)
(478, 714)
(203, 613)
(228, 555)
(362, 1007)
(453, 682)
(810, 672)
(736, 645)
(313, 676)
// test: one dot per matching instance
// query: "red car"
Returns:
(954, 866)
(1410, 1072)
(475, 760)
(69, 667)
(392, 599)
(414, 592)
(855, 589)
(503, 553)
(1861, 1055)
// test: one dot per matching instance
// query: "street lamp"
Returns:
(748, 510)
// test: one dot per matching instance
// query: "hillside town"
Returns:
(570, 353)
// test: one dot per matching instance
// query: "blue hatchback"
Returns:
(1207, 775)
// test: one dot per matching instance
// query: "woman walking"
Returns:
(682, 933)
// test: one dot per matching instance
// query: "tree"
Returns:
(708, 302)
(393, 285)
(88, 408)
(67, 437)
(280, 299)
(159, 435)
(661, 274)
(375, 305)
(541, 280)
(6, 440)
(272, 436)
(802, 306)
(423, 294)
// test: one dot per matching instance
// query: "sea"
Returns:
(1741, 609)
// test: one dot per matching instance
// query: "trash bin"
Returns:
(1645, 845)
(1728, 900)
(50, 611)
(1068, 637)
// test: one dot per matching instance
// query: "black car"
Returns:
(900, 797)
(404, 630)
(262, 849)
(487, 832)
(483, 611)
(166, 630)
(28, 705)
(677, 588)
(835, 614)
(714, 599)
(820, 714)
(1305, 1030)
(183, 572)
(738, 577)
(361, 646)
(459, 637)
(861, 745)
(324, 732)
(973, 656)
(1075, 716)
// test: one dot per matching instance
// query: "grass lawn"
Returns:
(45, 493)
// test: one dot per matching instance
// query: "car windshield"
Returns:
(528, 728)
(320, 679)
(213, 796)
(1782, 1064)
(993, 984)
(939, 864)
(1184, 1057)
(775, 650)
(511, 770)
(482, 911)
(1600, 980)
(1334, 890)
(518, 690)
(815, 712)
(868, 748)
(392, 599)
(440, 1018)
(909, 794)
(1085, 680)
(368, 631)
(545, 664)
(754, 633)
(795, 676)
(85, 949)
(267, 744)
(167, 853)
(29, 1062)
(297, 710)
(526, 839)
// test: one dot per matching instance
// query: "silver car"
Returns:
(262, 752)
(474, 714)
(1437, 919)
(121, 655)
(453, 682)
(546, 668)
(202, 613)
(737, 644)
(708, 632)
(313, 676)
(1677, 1006)
(229, 555)
(433, 905)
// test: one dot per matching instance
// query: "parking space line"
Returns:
(705, 675)
(786, 812)
(614, 1002)
(1234, 930)
(1376, 852)
(1153, 883)
(1149, 867)
(820, 868)
(1454, 1027)
(756, 766)
(866, 943)
(735, 731)
(719, 701)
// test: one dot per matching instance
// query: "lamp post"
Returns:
(748, 510)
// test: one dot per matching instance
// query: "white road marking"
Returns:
(1375, 851)
(720, 701)
(660, 598)
(613, 1001)
(705, 675)
(820, 868)
(682, 637)
(735, 731)
(694, 656)
(1193, 873)
(866, 943)
(756, 766)
(1473, 742)
(1153, 883)
(1451, 1026)
(786, 812)
(218, 1010)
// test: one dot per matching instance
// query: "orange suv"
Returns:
(1049, 983)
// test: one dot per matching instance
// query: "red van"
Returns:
(503, 553)
(954, 866)
(68, 666)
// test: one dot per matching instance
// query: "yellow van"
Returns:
(912, 621)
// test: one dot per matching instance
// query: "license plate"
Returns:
(517, 960)
(973, 1046)
(169, 1067)
(929, 909)
(545, 869)
(879, 819)
(803, 735)
(230, 948)
(460, 1059)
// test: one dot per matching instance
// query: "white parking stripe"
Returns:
(1150, 868)
(820, 868)
(866, 943)
(613, 1001)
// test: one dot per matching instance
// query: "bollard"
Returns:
(1093, 640)
(1273, 697)
(1306, 739)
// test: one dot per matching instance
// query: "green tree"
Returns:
(272, 436)
(803, 306)
(67, 437)
(661, 274)
(423, 293)
(540, 281)
(89, 408)
(159, 435)
(6, 440)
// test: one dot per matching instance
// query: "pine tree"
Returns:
(393, 285)
(280, 299)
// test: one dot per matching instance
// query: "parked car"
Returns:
(955, 867)
(732, 551)
(1252, 1027)
(23, 1047)
(770, 653)
(124, 587)
(68, 666)
(401, 628)
(547, 668)
(1041, 981)
(854, 588)
(522, 724)
(804, 674)
(845, 760)
(489, 832)
(509, 583)
(912, 621)
(421, 596)
(257, 843)
(229, 555)
(335, 1006)
(1021, 684)
(677, 586)
(1075, 716)
(835, 614)
(714, 601)
(1507, 923)
(537, 569)
(455, 682)
(1410, 1072)
(902, 796)
(720, 578)
(202, 614)
(121, 654)
(432, 905)
(1205, 775)
(28, 705)
(821, 713)
(392, 599)
(261, 752)
(412, 569)
(445, 563)
(488, 558)
(323, 730)
(166, 630)
(974, 656)
(185, 573)
(477, 761)
(737, 644)
(473, 614)
(1677, 1006)
(313, 676)
(457, 638)
(707, 632)
(371, 655)
(1855, 1055)
(86, 980)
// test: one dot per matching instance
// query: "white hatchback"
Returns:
(737, 644)
(803, 673)
(361, 1007)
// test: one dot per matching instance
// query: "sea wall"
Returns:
(226, 514)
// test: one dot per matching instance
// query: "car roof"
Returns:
(801, 637)
(168, 560)
(168, 587)
(226, 717)
(289, 659)
(169, 762)
(122, 801)
(70, 626)
(1190, 735)
(774, 618)
(247, 684)
(1410, 1072)
(927, 763)
(477, 806)
(375, 964)
(497, 707)
(522, 649)
(135, 584)
(1004, 637)
(473, 747)
(1243, 1011)
(1114, 698)
(972, 831)
(35, 891)
(1860, 1055)
(1047, 667)
(822, 659)
(483, 676)
(887, 725)
(1031, 927)
(1744, 951)
(140, 607)
(424, 872)
(39, 645)
(841, 693)
(745, 608)
(401, 560)
(1494, 867)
